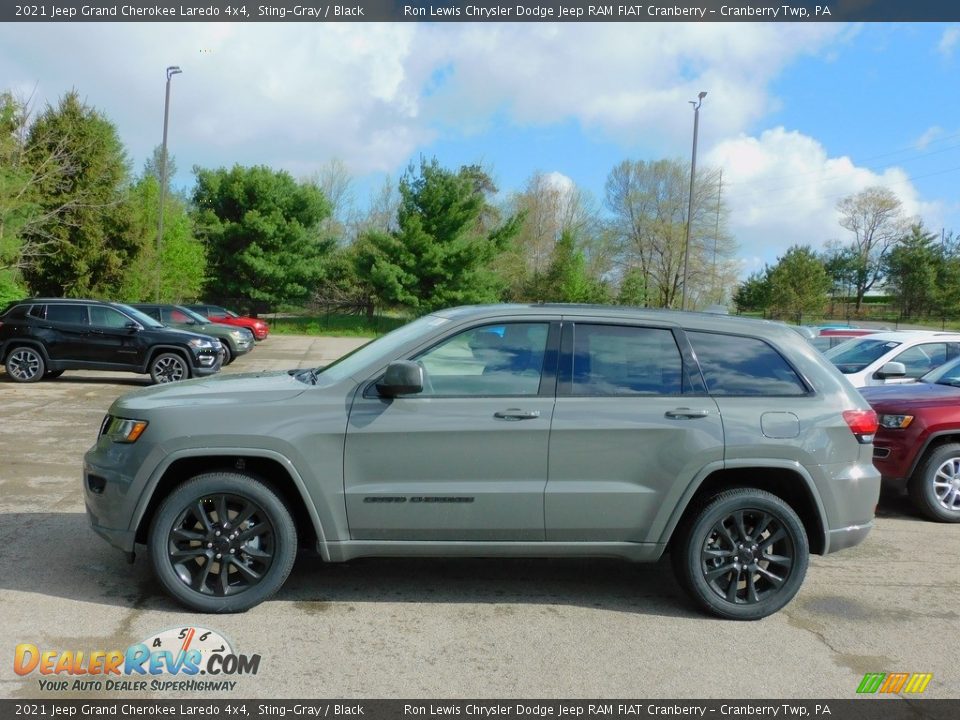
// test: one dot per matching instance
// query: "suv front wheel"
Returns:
(222, 542)
(935, 486)
(743, 555)
(24, 364)
(169, 367)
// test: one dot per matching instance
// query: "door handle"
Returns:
(516, 414)
(685, 413)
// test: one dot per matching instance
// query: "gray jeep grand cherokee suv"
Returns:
(502, 431)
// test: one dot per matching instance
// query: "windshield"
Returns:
(230, 313)
(946, 374)
(854, 355)
(140, 317)
(193, 315)
(381, 347)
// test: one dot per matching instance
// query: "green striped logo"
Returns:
(894, 683)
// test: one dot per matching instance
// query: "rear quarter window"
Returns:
(738, 365)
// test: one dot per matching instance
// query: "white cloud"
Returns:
(929, 136)
(948, 41)
(295, 95)
(782, 189)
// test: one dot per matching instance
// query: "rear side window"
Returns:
(625, 360)
(76, 314)
(736, 365)
(19, 312)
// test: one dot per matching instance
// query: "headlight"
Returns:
(123, 430)
(204, 344)
(895, 422)
(236, 334)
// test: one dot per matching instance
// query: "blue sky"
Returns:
(797, 115)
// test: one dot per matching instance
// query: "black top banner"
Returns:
(479, 11)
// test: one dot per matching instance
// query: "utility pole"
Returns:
(693, 173)
(171, 71)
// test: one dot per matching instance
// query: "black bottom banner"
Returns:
(888, 708)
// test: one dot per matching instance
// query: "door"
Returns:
(111, 340)
(632, 427)
(466, 459)
(68, 327)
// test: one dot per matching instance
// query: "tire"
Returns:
(228, 356)
(721, 540)
(934, 487)
(212, 565)
(169, 367)
(52, 374)
(25, 364)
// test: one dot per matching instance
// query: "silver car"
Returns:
(502, 431)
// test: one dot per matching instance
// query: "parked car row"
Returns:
(912, 380)
(40, 338)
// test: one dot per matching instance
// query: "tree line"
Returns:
(886, 252)
(77, 221)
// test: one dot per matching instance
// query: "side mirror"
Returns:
(403, 377)
(891, 370)
(131, 325)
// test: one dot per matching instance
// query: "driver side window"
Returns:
(501, 359)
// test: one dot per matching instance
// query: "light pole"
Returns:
(171, 71)
(693, 172)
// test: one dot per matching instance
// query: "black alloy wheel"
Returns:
(222, 542)
(744, 555)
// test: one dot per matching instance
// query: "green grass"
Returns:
(334, 325)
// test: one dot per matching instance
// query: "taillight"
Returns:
(862, 423)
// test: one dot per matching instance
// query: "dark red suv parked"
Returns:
(917, 446)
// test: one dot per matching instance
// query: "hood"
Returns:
(918, 394)
(242, 389)
(183, 335)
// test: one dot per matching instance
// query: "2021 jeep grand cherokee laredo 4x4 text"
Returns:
(502, 431)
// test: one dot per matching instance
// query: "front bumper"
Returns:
(207, 362)
(114, 479)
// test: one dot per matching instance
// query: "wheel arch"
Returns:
(156, 350)
(272, 468)
(933, 441)
(13, 344)
(786, 480)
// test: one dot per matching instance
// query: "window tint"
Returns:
(19, 312)
(76, 314)
(921, 359)
(624, 360)
(735, 365)
(38, 311)
(503, 359)
(854, 355)
(107, 317)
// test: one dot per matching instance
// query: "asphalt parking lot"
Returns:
(454, 628)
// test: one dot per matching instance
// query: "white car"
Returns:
(893, 357)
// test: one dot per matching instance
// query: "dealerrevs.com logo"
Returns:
(171, 660)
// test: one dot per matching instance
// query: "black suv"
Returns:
(40, 338)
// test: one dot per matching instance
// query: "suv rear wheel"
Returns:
(169, 367)
(222, 542)
(935, 486)
(743, 555)
(25, 364)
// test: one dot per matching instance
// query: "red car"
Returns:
(917, 445)
(219, 314)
